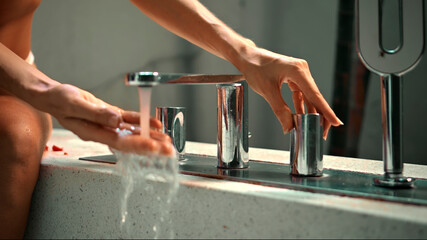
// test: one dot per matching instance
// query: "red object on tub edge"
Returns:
(56, 148)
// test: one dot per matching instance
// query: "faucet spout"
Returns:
(149, 79)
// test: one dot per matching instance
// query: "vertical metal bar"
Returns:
(306, 149)
(232, 140)
(391, 113)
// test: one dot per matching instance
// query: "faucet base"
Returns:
(335, 182)
(397, 181)
(240, 166)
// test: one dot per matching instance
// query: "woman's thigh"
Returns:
(24, 132)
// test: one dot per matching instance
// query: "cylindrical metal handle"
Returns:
(173, 120)
(391, 111)
(232, 126)
(306, 145)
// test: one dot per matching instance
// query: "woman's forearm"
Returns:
(264, 71)
(20, 78)
(190, 20)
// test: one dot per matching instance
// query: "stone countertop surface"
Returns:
(80, 199)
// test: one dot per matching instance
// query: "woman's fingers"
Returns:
(297, 98)
(94, 120)
(140, 145)
(313, 96)
(156, 124)
(131, 121)
(89, 131)
(132, 117)
(160, 136)
(95, 113)
(310, 107)
(71, 102)
(326, 127)
(301, 77)
(298, 102)
(281, 110)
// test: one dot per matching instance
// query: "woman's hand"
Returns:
(94, 120)
(77, 110)
(266, 72)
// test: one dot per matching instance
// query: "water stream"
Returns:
(154, 178)
(144, 109)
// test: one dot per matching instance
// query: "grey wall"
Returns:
(91, 44)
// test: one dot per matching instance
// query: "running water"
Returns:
(144, 109)
(153, 176)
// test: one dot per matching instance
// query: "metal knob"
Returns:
(173, 120)
(232, 141)
(306, 145)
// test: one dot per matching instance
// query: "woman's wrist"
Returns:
(21, 79)
(36, 83)
(243, 55)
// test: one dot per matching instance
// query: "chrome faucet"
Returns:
(232, 141)
(150, 79)
(391, 65)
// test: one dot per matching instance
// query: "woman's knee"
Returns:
(24, 130)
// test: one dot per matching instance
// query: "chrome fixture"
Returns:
(173, 121)
(307, 145)
(233, 134)
(391, 65)
(232, 142)
(149, 79)
(335, 182)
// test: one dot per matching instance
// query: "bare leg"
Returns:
(24, 132)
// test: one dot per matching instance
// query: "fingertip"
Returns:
(327, 127)
(155, 123)
(337, 124)
(151, 146)
(159, 136)
(288, 117)
(325, 134)
(287, 128)
(334, 120)
(167, 149)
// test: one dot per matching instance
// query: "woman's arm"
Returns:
(20, 78)
(265, 71)
(75, 109)
(194, 22)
